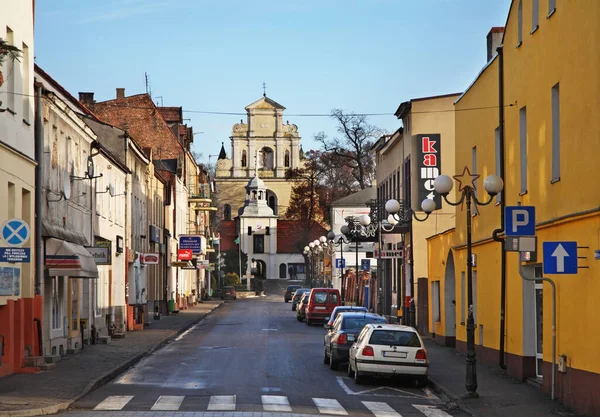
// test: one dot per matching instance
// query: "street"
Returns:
(252, 355)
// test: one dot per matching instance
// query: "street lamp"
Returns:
(359, 225)
(340, 242)
(493, 184)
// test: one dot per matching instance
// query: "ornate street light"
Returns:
(339, 242)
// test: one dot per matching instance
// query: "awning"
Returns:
(69, 259)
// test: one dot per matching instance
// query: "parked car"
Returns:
(228, 293)
(297, 297)
(342, 335)
(321, 303)
(341, 309)
(301, 310)
(289, 292)
(388, 349)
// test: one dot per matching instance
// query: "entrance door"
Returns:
(539, 322)
(282, 271)
(450, 301)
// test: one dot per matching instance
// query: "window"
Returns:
(474, 171)
(227, 212)
(259, 243)
(555, 133)
(287, 159)
(535, 15)
(498, 161)
(26, 85)
(551, 7)
(394, 338)
(56, 302)
(333, 298)
(435, 299)
(244, 159)
(320, 297)
(523, 147)
(463, 297)
(520, 23)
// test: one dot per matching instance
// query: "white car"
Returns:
(388, 349)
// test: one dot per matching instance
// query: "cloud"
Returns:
(132, 8)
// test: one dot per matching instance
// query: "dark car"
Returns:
(341, 336)
(289, 292)
(301, 310)
(298, 297)
(343, 309)
(229, 293)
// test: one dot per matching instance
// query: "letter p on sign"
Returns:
(520, 220)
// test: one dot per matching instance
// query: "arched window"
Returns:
(272, 203)
(282, 271)
(244, 159)
(227, 212)
(287, 159)
(265, 158)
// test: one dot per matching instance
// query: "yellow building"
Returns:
(551, 95)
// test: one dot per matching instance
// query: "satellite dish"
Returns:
(90, 167)
(66, 185)
(111, 190)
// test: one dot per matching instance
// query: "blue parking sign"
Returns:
(520, 220)
(365, 264)
(340, 263)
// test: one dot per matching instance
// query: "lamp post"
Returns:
(359, 224)
(443, 185)
(340, 242)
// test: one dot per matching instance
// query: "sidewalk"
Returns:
(51, 391)
(499, 395)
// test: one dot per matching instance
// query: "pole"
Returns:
(471, 380)
(39, 154)
(380, 309)
(356, 291)
(343, 263)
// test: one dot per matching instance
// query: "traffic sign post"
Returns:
(520, 220)
(340, 263)
(365, 265)
(560, 257)
(15, 232)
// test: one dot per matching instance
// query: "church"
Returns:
(254, 194)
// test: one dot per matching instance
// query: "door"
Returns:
(539, 322)
(282, 271)
(422, 306)
(450, 301)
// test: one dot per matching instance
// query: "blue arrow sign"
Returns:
(365, 264)
(560, 257)
(520, 220)
(340, 263)
(15, 232)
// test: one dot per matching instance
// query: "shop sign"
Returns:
(101, 255)
(429, 167)
(184, 255)
(150, 258)
(192, 242)
(389, 254)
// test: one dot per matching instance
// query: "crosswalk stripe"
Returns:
(276, 403)
(380, 409)
(114, 402)
(329, 406)
(431, 411)
(221, 403)
(168, 403)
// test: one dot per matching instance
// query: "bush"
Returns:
(232, 279)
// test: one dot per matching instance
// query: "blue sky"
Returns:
(365, 56)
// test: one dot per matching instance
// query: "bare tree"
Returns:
(197, 156)
(354, 146)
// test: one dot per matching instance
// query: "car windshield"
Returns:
(357, 323)
(320, 297)
(395, 338)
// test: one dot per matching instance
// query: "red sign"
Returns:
(149, 258)
(184, 255)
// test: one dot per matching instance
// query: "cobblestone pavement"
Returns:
(50, 391)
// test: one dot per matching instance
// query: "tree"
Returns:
(354, 147)
(231, 261)
(197, 156)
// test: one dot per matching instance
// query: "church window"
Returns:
(265, 158)
(287, 159)
(227, 212)
(244, 159)
(259, 243)
(272, 204)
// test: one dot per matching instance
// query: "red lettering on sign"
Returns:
(428, 145)
(430, 160)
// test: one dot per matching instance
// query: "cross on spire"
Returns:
(264, 89)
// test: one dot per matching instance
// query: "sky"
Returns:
(362, 56)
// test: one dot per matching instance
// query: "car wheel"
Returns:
(358, 379)
(286, 301)
(298, 318)
(333, 362)
(293, 307)
(421, 381)
(308, 322)
(325, 357)
(350, 372)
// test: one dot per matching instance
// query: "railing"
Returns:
(199, 191)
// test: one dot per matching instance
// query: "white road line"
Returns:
(168, 403)
(275, 403)
(431, 411)
(114, 402)
(221, 403)
(329, 406)
(380, 409)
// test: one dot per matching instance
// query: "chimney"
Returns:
(120, 93)
(494, 40)
(87, 99)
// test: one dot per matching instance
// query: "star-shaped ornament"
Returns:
(465, 177)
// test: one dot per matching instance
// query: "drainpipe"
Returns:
(39, 154)
(496, 232)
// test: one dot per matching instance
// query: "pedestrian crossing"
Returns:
(269, 403)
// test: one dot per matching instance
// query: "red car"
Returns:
(321, 303)
(229, 292)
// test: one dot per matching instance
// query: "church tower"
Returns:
(265, 144)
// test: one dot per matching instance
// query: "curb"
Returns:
(441, 389)
(98, 382)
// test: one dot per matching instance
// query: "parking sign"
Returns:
(520, 220)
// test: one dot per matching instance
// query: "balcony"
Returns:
(199, 194)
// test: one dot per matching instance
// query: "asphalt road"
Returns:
(255, 350)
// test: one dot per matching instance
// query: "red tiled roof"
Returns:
(228, 234)
(142, 120)
(292, 235)
(171, 114)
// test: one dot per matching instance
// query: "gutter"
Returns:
(39, 154)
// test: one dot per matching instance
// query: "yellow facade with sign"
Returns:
(551, 142)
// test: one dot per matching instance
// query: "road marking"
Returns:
(275, 403)
(374, 391)
(222, 403)
(114, 402)
(380, 409)
(431, 411)
(168, 403)
(329, 406)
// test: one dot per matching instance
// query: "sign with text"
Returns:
(520, 220)
(101, 255)
(429, 152)
(184, 255)
(192, 242)
(10, 281)
(15, 255)
(150, 258)
(389, 254)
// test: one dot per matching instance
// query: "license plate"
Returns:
(320, 308)
(350, 338)
(390, 354)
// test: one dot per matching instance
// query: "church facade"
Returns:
(264, 141)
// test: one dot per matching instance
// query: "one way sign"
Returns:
(560, 257)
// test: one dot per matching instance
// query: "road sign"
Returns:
(15, 232)
(520, 220)
(193, 242)
(15, 255)
(365, 264)
(340, 263)
(560, 257)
